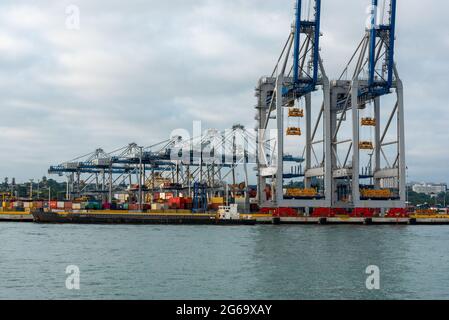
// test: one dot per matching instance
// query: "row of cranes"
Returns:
(350, 153)
(210, 165)
(353, 143)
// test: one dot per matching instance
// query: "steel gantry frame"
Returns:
(374, 82)
(211, 159)
(381, 182)
(296, 76)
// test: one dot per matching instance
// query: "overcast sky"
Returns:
(137, 69)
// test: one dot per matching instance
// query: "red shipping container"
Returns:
(175, 201)
(38, 204)
(214, 206)
(53, 204)
(68, 205)
(106, 206)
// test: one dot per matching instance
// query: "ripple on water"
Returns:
(207, 262)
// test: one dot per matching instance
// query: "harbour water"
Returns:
(212, 262)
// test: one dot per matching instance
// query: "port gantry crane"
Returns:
(139, 172)
(100, 173)
(380, 182)
(216, 158)
(290, 89)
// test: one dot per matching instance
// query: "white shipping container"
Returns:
(159, 206)
(102, 162)
(76, 206)
(156, 206)
(60, 205)
(71, 165)
(121, 197)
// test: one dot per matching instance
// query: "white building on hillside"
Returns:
(430, 188)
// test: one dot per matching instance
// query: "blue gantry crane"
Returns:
(369, 170)
(284, 100)
(305, 76)
(381, 52)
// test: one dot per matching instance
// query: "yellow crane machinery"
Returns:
(5, 196)
(369, 122)
(366, 145)
(301, 193)
(296, 113)
(294, 131)
(376, 194)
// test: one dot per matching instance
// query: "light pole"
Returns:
(140, 178)
(407, 188)
(31, 189)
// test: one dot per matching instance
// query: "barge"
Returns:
(153, 218)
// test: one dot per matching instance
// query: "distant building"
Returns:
(430, 188)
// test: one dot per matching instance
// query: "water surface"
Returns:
(209, 262)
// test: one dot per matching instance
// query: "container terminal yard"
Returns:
(333, 174)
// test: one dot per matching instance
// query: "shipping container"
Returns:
(214, 206)
(93, 205)
(38, 204)
(159, 206)
(53, 204)
(217, 200)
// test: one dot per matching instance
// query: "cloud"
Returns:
(137, 70)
